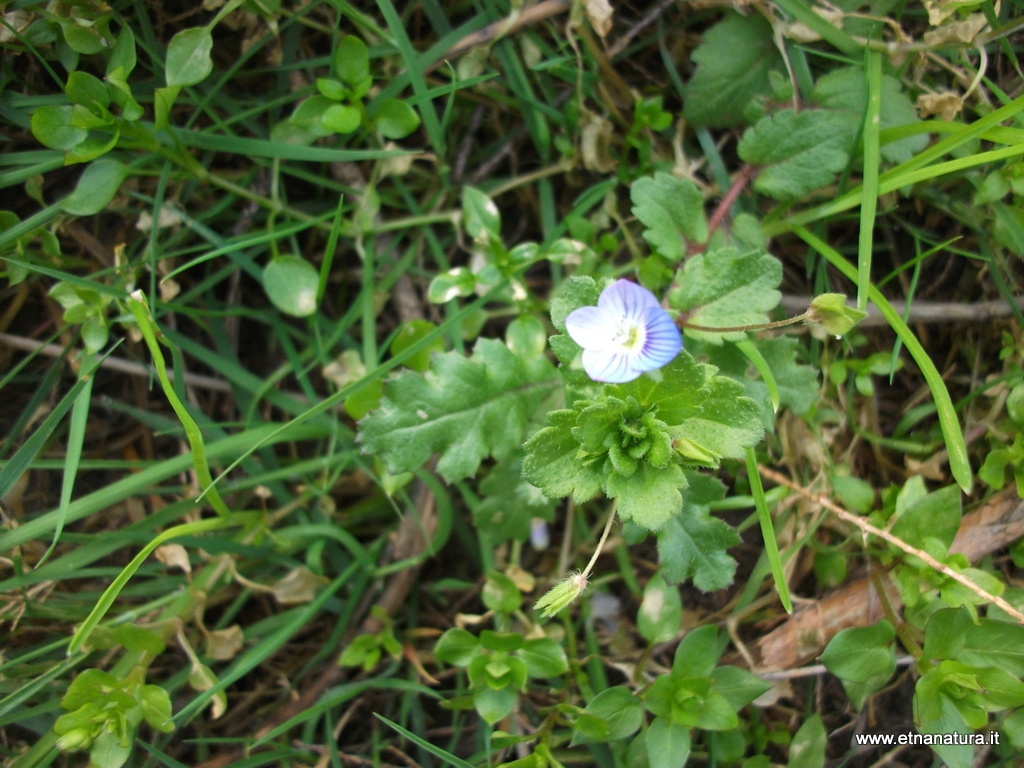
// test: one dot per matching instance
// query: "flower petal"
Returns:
(590, 327)
(663, 341)
(627, 300)
(609, 367)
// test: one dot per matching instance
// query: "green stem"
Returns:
(140, 308)
(110, 595)
(739, 328)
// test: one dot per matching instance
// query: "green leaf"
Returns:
(352, 60)
(693, 545)
(727, 288)
(552, 463)
(668, 744)
(457, 646)
(672, 211)
(452, 284)
(51, 125)
(661, 611)
(863, 658)
(123, 55)
(96, 188)
(464, 409)
(934, 516)
(697, 653)
(544, 657)
(87, 90)
(733, 60)
(409, 334)
(934, 712)
(807, 750)
(993, 643)
(309, 115)
(798, 152)
(291, 284)
(341, 118)
(619, 708)
(480, 216)
(500, 593)
(649, 497)
(846, 89)
(494, 703)
(108, 752)
(395, 119)
(82, 38)
(156, 708)
(188, 57)
(737, 686)
(331, 89)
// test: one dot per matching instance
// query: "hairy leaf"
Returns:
(672, 211)
(465, 409)
(727, 288)
(733, 61)
(693, 545)
(846, 89)
(798, 152)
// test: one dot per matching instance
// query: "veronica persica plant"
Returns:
(626, 334)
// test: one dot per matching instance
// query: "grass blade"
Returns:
(959, 465)
(764, 517)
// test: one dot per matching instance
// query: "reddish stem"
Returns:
(742, 179)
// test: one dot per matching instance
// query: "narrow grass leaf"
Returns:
(73, 455)
(448, 757)
(19, 462)
(110, 594)
(764, 517)
(869, 188)
(959, 465)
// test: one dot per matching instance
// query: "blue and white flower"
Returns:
(626, 334)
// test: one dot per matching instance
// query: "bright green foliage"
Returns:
(661, 611)
(499, 665)
(798, 152)
(807, 749)
(727, 288)
(846, 89)
(104, 711)
(96, 187)
(693, 545)
(620, 711)
(466, 409)
(863, 658)
(291, 284)
(632, 442)
(672, 211)
(733, 60)
(340, 107)
(696, 693)
(366, 650)
(492, 264)
(85, 307)
(977, 668)
(1011, 455)
(188, 57)
(796, 383)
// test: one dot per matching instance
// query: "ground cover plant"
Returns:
(498, 383)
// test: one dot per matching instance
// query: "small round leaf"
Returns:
(291, 284)
(395, 119)
(188, 57)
